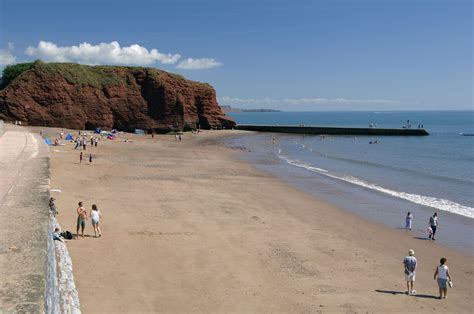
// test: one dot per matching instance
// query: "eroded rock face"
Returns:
(84, 97)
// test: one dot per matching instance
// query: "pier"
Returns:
(317, 130)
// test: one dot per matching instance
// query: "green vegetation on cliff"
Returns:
(12, 71)
(82, 75)
(78, 74)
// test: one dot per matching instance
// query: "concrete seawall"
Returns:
(332, 130)
(24, 193)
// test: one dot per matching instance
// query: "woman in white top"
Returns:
(442, 274)
(95, 217)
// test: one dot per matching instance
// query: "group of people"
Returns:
(442, 271)
(81, 141)
(82, 216)
(433, 224)
(81, 157)
(441, 275)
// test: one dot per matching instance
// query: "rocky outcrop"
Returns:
(85, 97)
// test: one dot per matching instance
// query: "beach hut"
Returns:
(139, 132)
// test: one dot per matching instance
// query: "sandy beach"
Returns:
(189, 227)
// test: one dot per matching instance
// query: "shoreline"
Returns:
(271, 241)
(372, 206)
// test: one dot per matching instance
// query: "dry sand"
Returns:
(189, 227)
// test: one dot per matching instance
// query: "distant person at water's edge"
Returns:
(442, 275)
(408, 221)
(433, 225)
(409, 263)
(81, 219)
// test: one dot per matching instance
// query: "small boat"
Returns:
(466, 134)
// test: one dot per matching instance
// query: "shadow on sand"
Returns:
(423, 296)
(422, 238)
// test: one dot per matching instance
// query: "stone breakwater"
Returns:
(315, 130)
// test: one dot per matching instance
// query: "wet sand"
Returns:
(189, 227)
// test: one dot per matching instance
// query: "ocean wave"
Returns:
(385, 166)
(437, 203)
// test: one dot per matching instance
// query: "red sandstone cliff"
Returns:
(78, 96)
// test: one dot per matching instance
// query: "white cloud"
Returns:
(198, 64)
(226, 100)
(103, 53)
(6, 57)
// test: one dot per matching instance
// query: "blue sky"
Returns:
(289, 55)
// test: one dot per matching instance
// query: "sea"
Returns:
(380, 178)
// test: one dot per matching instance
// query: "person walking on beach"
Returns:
(433, 225)
(95, 217)
(80, 158)
(408, 221)
(409, 262)
(90, 159)
(442, 275)
(81, 219)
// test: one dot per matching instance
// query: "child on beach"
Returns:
(442, 275)
(95, 217)
(408, 221)
(80, 158)
(90, 159)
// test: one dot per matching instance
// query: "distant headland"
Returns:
(232, 109)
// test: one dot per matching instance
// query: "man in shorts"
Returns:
(81, 219)
(410, 265)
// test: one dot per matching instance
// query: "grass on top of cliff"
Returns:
(78, 74)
